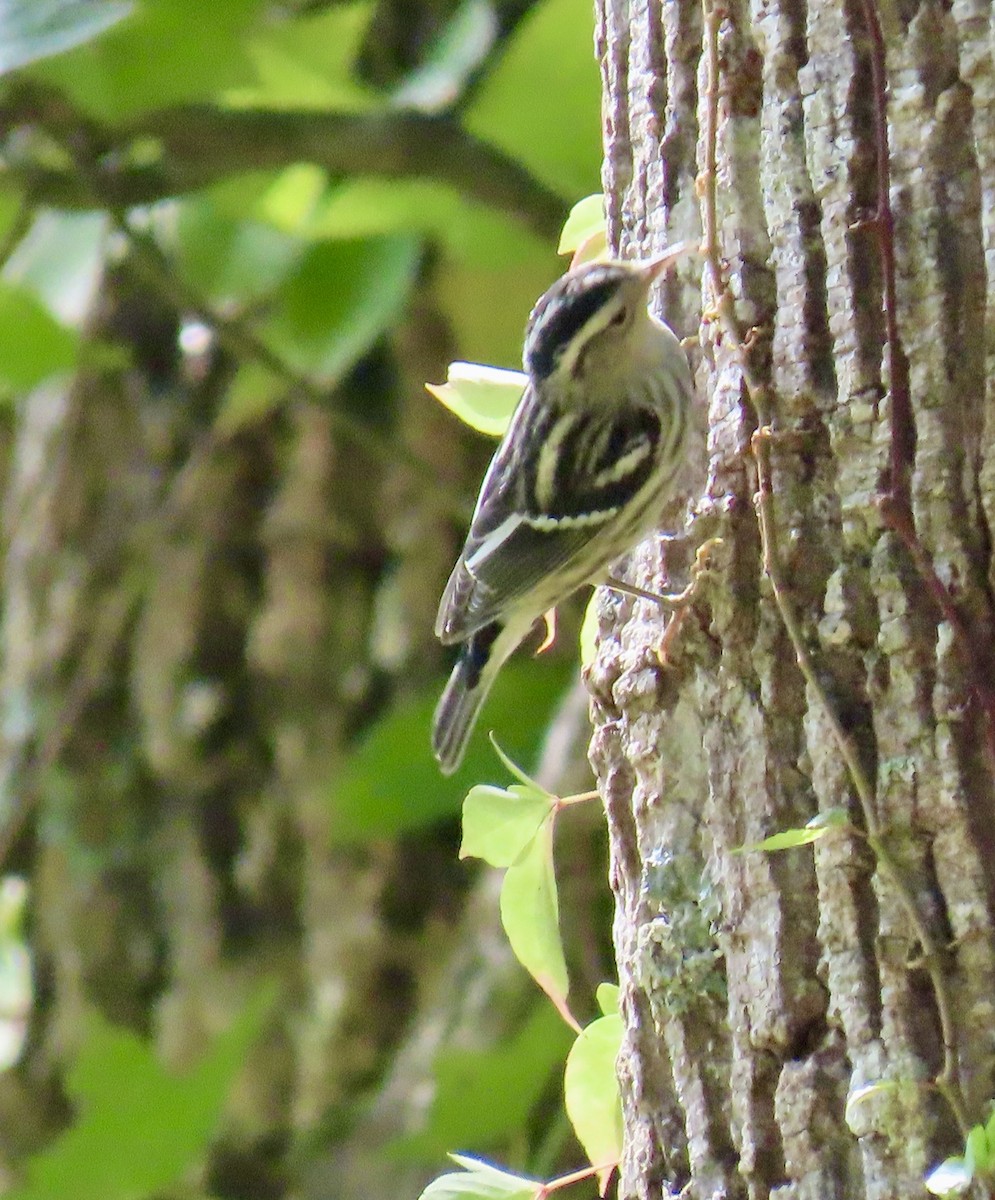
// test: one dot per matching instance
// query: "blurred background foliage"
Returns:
(238, 957)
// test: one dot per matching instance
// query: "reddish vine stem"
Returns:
(903, 429)
(896, 505)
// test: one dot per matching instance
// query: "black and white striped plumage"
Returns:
(581, 473)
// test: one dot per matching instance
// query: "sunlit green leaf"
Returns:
(590, 1089)
(35, 345)
(977, 1154)
(530, 916)
(308, 62)
(558, 136)
(290, 201)
(138, 1127)
(608, 996)
(514, 770)
(392, 783)
(483, 397)
(165, 52)
(589, 632)
(60, 261)
(480, 1181)
(252, 396)
(498, 823)
(587, 218)
(337, 302)
(232, 262)
(31, 30)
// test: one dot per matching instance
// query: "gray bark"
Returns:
(761, 990)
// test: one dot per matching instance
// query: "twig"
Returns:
(203, 144)
(947, 1082)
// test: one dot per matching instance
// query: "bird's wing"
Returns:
(556, 481)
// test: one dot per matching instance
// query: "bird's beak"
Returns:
(653, 268)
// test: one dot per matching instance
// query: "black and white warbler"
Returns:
(587, 461)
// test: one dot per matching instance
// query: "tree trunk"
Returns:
(763, 990)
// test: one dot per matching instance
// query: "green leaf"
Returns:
(482, 397)
(480, 1181)
(290, 201)
(609, 998)
(31, 30)
(470, 232)
(590, 1088)
(586, 221)
(138, 1126)
(821, 824)
(308, 63)
(252, 396)
(392, 783)
(949, 1178)
(35, 346)
(514, 1077)
(60, 261)
(530, 916)
(338, 301)
(232, 262)
(16, 974)
(542, 102)
(589, 632)
(499, 823)
(165, 52)
(514, 769)
(977, 1156)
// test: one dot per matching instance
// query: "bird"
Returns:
(590, 455)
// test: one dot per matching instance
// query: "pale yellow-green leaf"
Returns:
(530, 916)
(499, 823)
(590, 1090)
(481, 396)
(586, 219)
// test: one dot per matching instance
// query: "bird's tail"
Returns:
(462, 698)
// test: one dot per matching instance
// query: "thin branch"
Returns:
(947, 1082)
(199, 145)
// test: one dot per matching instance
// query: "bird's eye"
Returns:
(618, 320)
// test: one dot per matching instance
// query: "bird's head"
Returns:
(592, 318)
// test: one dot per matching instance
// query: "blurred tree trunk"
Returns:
(188, 650)
(761, 990)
